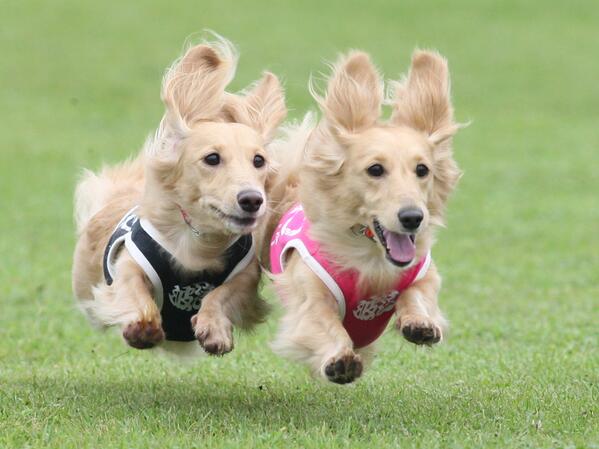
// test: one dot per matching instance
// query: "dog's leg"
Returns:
(420, 319)
(311, 329)
(128, 302)
(235, 303)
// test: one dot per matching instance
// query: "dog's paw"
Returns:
(214, 335)
(343, 368)
(143, 334)
(420, 330)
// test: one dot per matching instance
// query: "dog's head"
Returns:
(393, 176)
(209, 155)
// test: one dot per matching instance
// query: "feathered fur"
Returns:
(324, 167)
(171, 174)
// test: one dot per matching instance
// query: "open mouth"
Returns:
(400, 248)
(240, 221)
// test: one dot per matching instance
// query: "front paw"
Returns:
(143, 334)
(215, 335)
(344, 367)
(420, 330)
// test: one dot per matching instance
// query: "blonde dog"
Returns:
(358, 200)
(164, 241)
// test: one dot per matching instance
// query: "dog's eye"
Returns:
(212, 159)
(421, 170)
(259, 161)
(376, 170)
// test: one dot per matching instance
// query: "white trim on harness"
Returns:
(318, 270)
(116, 245)
(110, 259)
(126, 216)
(148, 269)
(424, 267)
(243, 263)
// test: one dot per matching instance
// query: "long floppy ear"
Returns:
(193, 88)
(422, 100)
(354, 94)
(261, 107)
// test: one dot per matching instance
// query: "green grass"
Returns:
(79, 85)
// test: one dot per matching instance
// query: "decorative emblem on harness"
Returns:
(369, 309)
(189, 297)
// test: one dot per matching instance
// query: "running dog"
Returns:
(357, 203)
(164, 247)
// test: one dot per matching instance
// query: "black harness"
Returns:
(178, 295)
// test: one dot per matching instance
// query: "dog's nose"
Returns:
(410, 218)
(250, 200)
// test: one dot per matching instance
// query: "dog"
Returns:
(358, 200)
(164, 246)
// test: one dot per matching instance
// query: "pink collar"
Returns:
(187, 219)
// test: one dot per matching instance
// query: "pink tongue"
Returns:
(400, 246)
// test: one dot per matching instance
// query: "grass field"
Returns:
(79, 85)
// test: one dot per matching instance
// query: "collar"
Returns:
(187, 219)
(363, 230)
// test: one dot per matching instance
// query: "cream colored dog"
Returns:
(199, 190)
(360, 199)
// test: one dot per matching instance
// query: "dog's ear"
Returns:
(422, 100)
(354, 94)
(193, 88)
(261, 107)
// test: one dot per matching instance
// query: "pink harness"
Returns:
(364, 319)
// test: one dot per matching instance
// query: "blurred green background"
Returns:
(79, 85)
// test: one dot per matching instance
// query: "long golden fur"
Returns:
(325, 167)
(172, 174)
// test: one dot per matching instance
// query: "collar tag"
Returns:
(187, 220)
(363, 230)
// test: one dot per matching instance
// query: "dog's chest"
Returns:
(177, 294)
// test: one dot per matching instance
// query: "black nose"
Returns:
(250, 200)
(410, 218)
